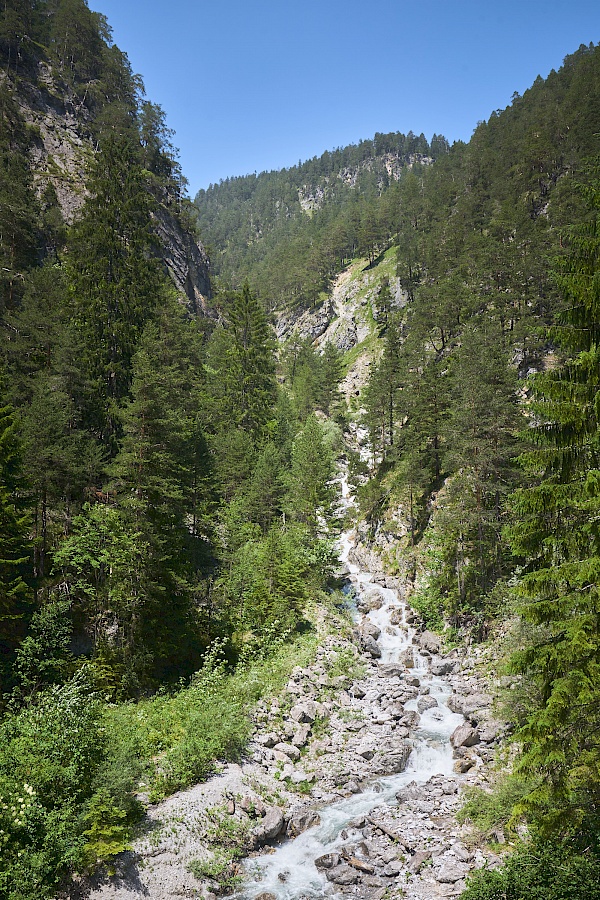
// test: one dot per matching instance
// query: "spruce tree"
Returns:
(15, 550)
(115, 281)
(556, 535)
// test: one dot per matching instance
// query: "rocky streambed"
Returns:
(352, 781)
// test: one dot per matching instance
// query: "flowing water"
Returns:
(289, 873)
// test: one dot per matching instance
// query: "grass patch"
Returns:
(493, 811)
(172, 741)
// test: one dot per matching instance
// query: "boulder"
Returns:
(412, 791)
(360, 865)
(418, 859)
(270, 827)
(304, 712)
(474, 702)
(462, 853)
(393, 868)
(424, 703)
(268, 740)
(429, 641)
(408, 658)
(451, 871)
(343, 874)
(301, 735)
(455, 704)
(389, 670)
(301, 821)
(370, 629)
(366, 752)
(370, 646)
(464, 736)
(443, 667)
(411, 718)
(489, 730)
(299, 776)
(394, 761)
(327, 861)
(289, 749)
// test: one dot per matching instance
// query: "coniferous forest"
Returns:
(168, 494)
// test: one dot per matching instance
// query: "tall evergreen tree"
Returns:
(556, 533)
(115, 281)
(15, 551)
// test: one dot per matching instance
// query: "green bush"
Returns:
(555, 870)
(488, 811)
(50, 753)
(170, 742)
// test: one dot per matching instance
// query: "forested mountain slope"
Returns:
(66, 84)
(291, 231)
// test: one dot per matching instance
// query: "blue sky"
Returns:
(250, 85)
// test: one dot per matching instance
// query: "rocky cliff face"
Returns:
(62, 145)
(391, 165)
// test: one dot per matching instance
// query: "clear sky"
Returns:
(250, 85)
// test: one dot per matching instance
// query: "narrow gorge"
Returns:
(353, 777)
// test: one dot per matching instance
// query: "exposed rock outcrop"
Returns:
(62, 145)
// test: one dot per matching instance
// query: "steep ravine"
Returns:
(350, 785)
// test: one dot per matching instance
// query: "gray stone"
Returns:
(424, 703)
(394, 761)
(343, 874)
(464, 736)
(268, 740)
(270, 827)
(301, 821)
(455, 704)
(443, 667)
(370, 646)
(411, 718)
(301, 735)
(462, 853)
(393, 868)
(417, 861)
(429, 641)
(370, 629)
(408, 658)
(451, 871)
(289, 749)
(475, 701)
(304, 712)
(366, 752)
(410, 792)
(389, 670)
(490, 730)
(327, 861)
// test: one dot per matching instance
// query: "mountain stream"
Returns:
(289, 873)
